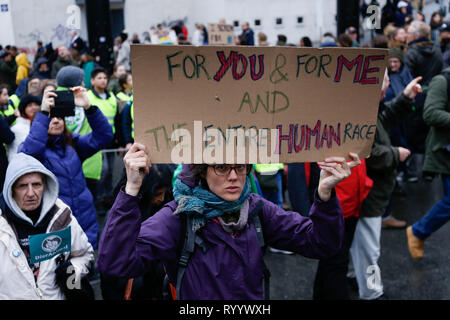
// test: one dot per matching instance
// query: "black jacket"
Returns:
(424, 59)
(6, 137)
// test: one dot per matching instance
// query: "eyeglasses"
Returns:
(224, 170)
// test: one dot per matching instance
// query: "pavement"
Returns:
(403, 277)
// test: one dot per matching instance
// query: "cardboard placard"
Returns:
(163, 36)
(238, 104)
(35, 85)
(220, 34)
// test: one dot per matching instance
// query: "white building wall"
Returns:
(47, 20)
(318, 15)
(44, 20)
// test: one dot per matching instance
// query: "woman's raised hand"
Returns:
(334, 170)
(137, 165)
(80, 97)
(48, 101)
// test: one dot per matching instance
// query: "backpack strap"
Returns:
(188, 250)
(255, 216)
(191, 239)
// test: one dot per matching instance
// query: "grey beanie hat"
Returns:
(69, 76)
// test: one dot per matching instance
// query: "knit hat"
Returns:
(396, 53)
(69, 76)
(26, 100)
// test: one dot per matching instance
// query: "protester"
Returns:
(423, 59)
(88, 65)
(436, 22)
(401, 14)
(113, 84)
(29, 107)
(100, 168)
(281, 40)
(128, 125)
(64, 59)
(330, 282)
(126, 88)
(63, 152)
(42, 69)
(381, 168)
(7, 108)
(123, 54)
(437, 162)
(76, 43)
(397, 39)
(23, 67)
(353, 33)
(156, 191)
(328, 40)
(444, 34)
(262, 40)
(306, 42)
(6, 137)
(30, 206)
(344, 40)
(8, 70)
(200, 36)
(195, 191)
(247, 35)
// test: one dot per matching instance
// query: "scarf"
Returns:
(202, 204)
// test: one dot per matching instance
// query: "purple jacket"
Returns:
(232, 266)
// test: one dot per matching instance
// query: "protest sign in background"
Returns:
(321, 102)
(220, 34)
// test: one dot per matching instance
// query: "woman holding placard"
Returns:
(225, 226)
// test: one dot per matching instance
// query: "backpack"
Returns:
(192, 239)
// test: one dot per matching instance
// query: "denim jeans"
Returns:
(275, 196)
(437, 216)
(297, 189)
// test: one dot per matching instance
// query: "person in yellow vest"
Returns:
(125, 95)
(95, 167)
(126, 87)
(8, 105)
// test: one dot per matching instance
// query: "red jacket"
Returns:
(352, 191)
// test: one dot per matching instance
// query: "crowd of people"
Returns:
(177, 230)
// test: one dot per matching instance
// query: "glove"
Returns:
(65, 278)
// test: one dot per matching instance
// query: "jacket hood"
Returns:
(41, 60)
(424, 46)
(22, 60)
(187, 177)
(20, 165)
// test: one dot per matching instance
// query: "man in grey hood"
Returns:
(29, 206)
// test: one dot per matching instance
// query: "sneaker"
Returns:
(412, 179)
(392, 223)
(382, 297)
(273, 250)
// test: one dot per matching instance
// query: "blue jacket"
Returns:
(398, 82)
(64, 161)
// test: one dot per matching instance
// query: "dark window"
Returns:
(257, 22)
(279, 21)
(299, 19)
(236, 23)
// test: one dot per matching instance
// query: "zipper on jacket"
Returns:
(39, 292)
